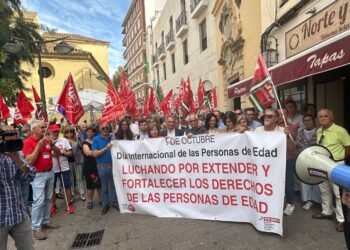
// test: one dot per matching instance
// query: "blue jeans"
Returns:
(42, 192)
(290, 168)
(109, 195)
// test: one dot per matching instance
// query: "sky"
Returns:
(92, 18)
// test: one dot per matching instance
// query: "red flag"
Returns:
(24, 106)
(18, 119)
(69, 104)
(127, 96)
(39, 112)
(200, 94)
(261, 91)
(4, 109)
(113, 107)
(151, 101)
(167, 104)
(213, 99)
(186, 99)
(145, 107)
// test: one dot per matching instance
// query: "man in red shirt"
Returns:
(38, 152)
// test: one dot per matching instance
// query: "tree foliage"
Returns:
(117, 76)
(12, 24)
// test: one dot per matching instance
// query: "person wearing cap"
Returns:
(38, 152)
(61, 168)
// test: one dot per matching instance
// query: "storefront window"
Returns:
(296, 93)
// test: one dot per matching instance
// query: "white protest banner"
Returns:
(226, 177)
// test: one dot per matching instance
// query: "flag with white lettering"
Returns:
(69, 104)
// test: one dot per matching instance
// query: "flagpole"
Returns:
(280, 107)
(54, 110)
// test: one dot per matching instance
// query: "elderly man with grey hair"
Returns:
(37, 149)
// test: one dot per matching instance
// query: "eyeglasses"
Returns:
(71, 131)
(269, 116)
(105, 128)
(193, 120)
(127, 117)
(238, 113)
(321, 139)
(42, 127)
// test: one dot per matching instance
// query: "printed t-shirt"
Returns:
(61, 161)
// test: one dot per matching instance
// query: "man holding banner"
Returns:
(101, 146)
(170, 130)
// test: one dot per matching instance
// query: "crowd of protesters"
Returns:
(70, 162)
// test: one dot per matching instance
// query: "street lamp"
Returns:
(14, 47)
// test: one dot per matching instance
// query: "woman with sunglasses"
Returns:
(77, 163)
(90, 168)
(124, 132)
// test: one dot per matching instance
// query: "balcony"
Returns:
(123, 30)
(197, 7)
(169, 40)
(181, 25)
(124, 41)
(155, 62)
(161, 52)
(124, 54)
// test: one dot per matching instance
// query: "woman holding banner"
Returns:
(211, 124)
(230, 121)
(124, 132)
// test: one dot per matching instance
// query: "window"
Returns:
(203, 34)
(164, 71)
(297, 92)
(185, 51)
(173, 62)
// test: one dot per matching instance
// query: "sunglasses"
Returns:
(71, 131)
(321, 139)
(105, 128)
(269, 116)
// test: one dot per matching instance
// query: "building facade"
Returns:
(238, 30)
(182, 44)
(311, 40)
(134, 29)
(88, 64)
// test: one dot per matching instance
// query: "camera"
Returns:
(9, 145)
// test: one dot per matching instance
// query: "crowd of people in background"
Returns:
(75, 162)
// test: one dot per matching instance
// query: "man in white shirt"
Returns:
(61, 168)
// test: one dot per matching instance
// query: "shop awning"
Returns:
(325, 56)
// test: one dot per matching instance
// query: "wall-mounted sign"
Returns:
(329, 22)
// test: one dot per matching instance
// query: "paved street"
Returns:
(132, 231)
